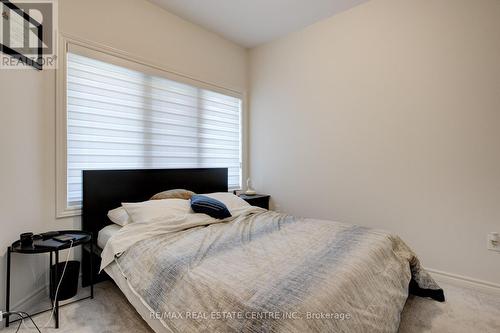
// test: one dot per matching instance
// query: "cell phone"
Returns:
(63, 238)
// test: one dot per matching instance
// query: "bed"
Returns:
(258, 271)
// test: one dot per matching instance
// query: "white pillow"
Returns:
(231, 201)
(154, 210)
(119, 216)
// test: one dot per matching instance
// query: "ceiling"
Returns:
(253, 22)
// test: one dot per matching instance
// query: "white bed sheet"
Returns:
(113, 270)
(106, 233)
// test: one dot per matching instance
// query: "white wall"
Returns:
(388, 115)
(27, 111)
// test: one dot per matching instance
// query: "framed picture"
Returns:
(21, 36)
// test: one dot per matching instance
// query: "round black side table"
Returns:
(82, 237)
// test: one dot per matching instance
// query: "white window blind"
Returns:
(121, 118)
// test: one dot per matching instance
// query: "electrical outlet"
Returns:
(494, 241)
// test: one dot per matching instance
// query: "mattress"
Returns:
(106, 233)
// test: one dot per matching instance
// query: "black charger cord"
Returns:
(22, 315)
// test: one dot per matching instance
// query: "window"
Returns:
(120, 115)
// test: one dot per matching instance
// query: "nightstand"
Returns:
(259, 200)
(81, 237)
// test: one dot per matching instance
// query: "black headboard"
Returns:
(104, 190)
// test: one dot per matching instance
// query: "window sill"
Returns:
(68, 212)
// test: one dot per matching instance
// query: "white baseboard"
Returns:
(31, 299)
(39, 294)
(464, 281)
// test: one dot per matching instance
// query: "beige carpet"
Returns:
(466, 310)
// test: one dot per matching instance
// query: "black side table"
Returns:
(259, 200)
(17, 247)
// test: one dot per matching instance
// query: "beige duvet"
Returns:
(267, 272)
